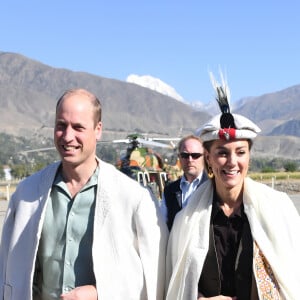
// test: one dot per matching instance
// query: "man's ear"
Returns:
(98, 130)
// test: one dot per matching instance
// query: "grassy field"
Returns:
(275, 175)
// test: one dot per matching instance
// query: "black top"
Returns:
(227, 269)
(227, 234)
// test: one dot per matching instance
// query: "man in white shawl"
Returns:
(236, 239)
(79, 228)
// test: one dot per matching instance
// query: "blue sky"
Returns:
(256, 42)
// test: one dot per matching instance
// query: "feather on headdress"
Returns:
(226, 126)
(223, 99)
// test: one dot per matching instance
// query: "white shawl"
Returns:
(274, 223)
(129, 242)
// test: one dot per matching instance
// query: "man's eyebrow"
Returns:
(61, 121)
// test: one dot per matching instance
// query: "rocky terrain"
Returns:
(290, 187)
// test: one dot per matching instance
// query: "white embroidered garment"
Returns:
(274, 223)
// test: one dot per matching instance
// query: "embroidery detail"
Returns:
(227, 134)
(267, 285)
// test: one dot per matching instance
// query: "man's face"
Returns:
(192, 167)
(75, 132)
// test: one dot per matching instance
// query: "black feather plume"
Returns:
(223, 97)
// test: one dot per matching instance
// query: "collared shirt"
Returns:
(227, 235)
(188, 188)
(65, 249)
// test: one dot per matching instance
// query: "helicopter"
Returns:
(147, 166)
(139, 161)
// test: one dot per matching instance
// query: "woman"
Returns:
(236, 239)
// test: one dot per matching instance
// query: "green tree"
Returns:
(1, 172)
(290, 166)
(19, 171)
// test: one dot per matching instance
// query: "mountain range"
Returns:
(29, 90)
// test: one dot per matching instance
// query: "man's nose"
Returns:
(68, 133)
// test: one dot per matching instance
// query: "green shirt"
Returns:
(65, 250)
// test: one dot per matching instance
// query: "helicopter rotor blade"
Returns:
(37, 150)
(165, 139)
(172, 141)
(126, 141)
(153, 143)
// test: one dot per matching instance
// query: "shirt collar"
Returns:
(217, 209)
(59, 181)
(196, 181)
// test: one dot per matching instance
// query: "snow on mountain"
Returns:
(155, 84)
(158, 85)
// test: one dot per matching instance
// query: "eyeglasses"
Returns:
(186, 155)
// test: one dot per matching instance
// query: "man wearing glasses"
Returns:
(177, 193)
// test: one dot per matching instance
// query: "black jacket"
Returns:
(173, 199)
(173, 196)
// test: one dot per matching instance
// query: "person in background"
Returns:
(236, 238)
(177, 193)
(80, 229)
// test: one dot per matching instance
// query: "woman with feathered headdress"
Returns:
(236, 239)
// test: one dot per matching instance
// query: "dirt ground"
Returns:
(291, 186)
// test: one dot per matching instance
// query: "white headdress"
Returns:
(226, 126)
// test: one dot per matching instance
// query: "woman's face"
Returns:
(229, 161)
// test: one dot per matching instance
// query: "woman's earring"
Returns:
(210, 173)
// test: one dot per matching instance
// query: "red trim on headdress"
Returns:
(227, 134)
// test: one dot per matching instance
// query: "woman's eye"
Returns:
(222, 153)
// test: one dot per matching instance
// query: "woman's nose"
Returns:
(232, 159)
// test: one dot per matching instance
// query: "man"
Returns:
(80, 229)
(177, 193)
